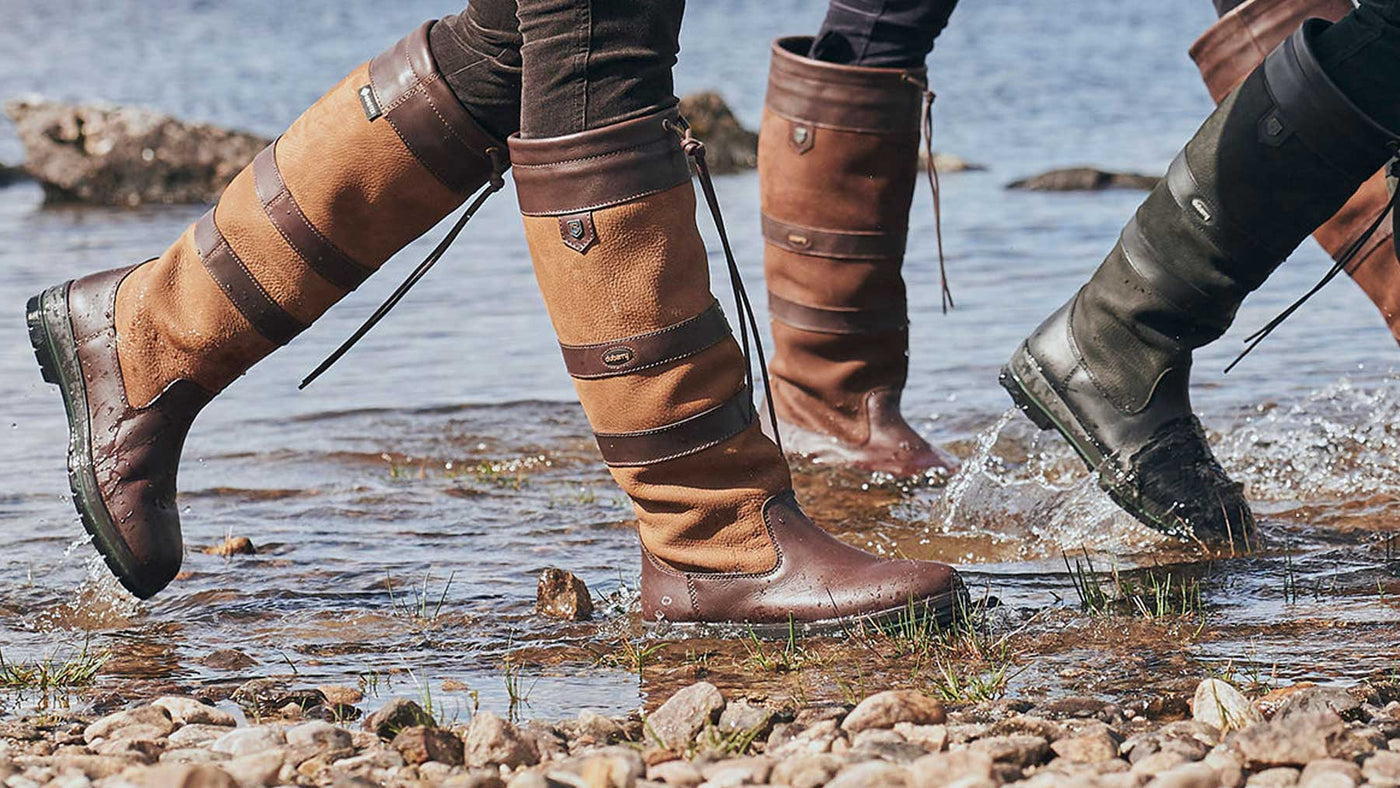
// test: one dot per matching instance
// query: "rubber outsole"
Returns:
(51, 335)
(1037, 398)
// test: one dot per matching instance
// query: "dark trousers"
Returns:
(546, 68)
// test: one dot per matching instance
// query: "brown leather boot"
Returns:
(838, 157)
(1226, 53)
(137, 351)
(610, 218)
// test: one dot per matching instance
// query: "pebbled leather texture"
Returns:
(1226, 53)
(817, 577)
(838, 149)
(133, 452)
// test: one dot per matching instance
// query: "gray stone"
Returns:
(188, 711)
(141, 750)
(1277, 777)
(255, 769)
(962, 767)
(1077, 179)
(490, 740)
(741, 717)
(1382, 768)
(737, 771)
(420, 744)
(609, 767)
(1315, 699)
(197, 734)
(318, 735)
(872, 774)
(805, 771)
(681, 718)
(1019, 750)
(179, 775)
(248, 741)
(596, 729)
(678, 773)
(885, 745)
(1186, 775)
(933, 738)
(1221, 706)
(485, 778)
(115, 155)
(1296, 740)
(1092, 747)
(1331, 767)
(142, 722)
(562, 595)
(886, 709)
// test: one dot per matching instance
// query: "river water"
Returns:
(447, 453)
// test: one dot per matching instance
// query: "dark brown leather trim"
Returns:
(840, 244)
(683, 438)
(324, 257)
(429, 119)
(239, 284)
(837, 321)
(1321, 115)
(850, 98)
(1208, 218)
(599, 168)
(644, 351)
(577, 232)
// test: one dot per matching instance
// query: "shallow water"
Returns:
(447, 448)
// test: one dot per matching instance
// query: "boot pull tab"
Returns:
(695, 149)
(499, 162)
(931, 170)
(1344, 262)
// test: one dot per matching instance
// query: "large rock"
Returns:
(188, 711)
(729, 147)
(1297, 740)
(114, 155)
(396, 715)
(561, 594)
(681, 718)
(1082, 179)
(885, 709)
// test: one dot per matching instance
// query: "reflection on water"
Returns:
(400, 531)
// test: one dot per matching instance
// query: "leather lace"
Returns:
(495, 184)
(695, 149)
(931, 170)
(1346, 262)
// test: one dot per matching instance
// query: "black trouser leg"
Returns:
(590, 64)
(881, 33)
(478, 53)
(1361, 53)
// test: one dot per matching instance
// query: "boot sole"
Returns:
(942, 613)
(51, 334)
(1035, 396)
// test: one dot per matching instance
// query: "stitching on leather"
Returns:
(228, 288)
(772, 540)
(601, 205)
(596, 156)
(874, 131)
(356, 270)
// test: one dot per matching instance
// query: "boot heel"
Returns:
(1023, 402)
(39, 336)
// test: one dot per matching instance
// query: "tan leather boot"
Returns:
(838, 154)
(138, 351)
(1226, 53)
(610, 219)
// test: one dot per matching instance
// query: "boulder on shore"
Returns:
(114, 155)
(729, 147)
(1084, 179)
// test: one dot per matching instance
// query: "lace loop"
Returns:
(496, 182)
(931, 170)
(695, 149)
(1346, 262)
